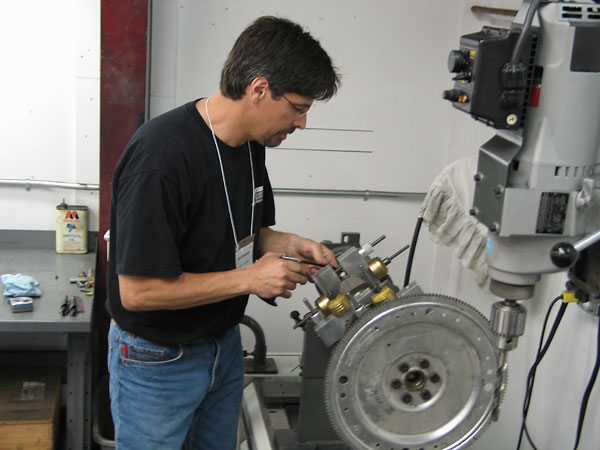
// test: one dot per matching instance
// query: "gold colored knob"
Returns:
(322, 304)
(384, 295)
(339, 305)
(378, 268)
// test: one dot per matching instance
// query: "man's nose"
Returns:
(300, 122)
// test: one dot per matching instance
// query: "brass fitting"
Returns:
(339, 305)
(384, 295)
(378, 268)
(322, 304)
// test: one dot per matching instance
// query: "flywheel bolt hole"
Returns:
(343, 379)
(414, 380)
(403, 367)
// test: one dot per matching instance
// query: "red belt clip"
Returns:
(124, 351)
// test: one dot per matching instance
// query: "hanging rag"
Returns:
(445, 213)
(20, 285)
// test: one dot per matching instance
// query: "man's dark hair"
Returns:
(282, 52)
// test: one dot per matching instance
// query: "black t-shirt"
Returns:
(169, 215)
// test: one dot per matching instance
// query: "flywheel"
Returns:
(417, 373)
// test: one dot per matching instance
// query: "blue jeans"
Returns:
(173, 397)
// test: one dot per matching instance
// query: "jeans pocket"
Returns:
(140, 352)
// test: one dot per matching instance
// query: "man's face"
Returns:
(287, 113)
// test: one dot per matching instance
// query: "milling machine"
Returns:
(400, 369)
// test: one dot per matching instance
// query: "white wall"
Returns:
(392, 55)
(49, 114)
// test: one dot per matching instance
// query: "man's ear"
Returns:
(258, 89)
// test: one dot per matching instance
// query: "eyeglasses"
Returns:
(301, 110)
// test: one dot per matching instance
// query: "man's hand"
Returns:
(309, 250)
(272, 276)
(293, 245)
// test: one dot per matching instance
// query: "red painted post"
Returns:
(124, 38)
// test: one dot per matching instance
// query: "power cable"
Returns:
(542, 349)
(411, 253)
(518, 49)
(588, 391)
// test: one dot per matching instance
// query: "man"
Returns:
(190, 224)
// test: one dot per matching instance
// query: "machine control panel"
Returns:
(486, 85)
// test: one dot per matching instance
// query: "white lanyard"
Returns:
(236, 242)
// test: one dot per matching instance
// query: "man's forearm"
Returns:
(275, 241)
(185, 291)
(270, 276)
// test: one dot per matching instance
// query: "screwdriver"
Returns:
(302, 261)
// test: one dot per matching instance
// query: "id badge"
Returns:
(259, 194)
(244, 252)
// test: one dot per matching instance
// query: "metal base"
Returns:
(286, 411)
(251, 368)
(511, 291)
(288, 440)
(272, 416)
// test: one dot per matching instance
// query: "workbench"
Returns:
(44, 337)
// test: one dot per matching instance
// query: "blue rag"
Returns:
(20, 285)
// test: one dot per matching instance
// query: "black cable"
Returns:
(542, 349)
(411, 253)
(530, 384)
(588, 391)
(529, 438)
(540, 355)
(516, 55)
(541, 343)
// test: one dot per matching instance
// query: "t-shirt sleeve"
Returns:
(150, 225)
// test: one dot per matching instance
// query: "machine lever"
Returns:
(295, 315)
(378, 240)
(564, 254)
(587, 241)
(388, 260)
